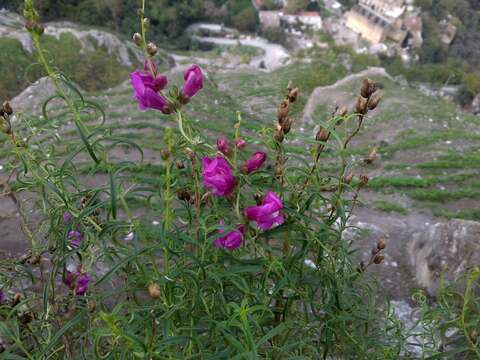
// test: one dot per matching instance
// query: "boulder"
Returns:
(444, 250)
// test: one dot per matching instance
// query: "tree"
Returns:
(295, 6)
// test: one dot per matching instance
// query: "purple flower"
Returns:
(193, 82)
(218, 175)
(82, 284)
(75, 237)
(67, 217)
(223, 146)
(240, 144)
(146, 89)
(267, 215)
(254, 163)
(231, 241)
(2, 297)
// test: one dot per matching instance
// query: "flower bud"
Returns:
(137, 39)
(223, 146)
(374, 101)
(368, 88)
(154, 291)
(290, 85)
(293, 94)
(322, 134)
(378, 259)
(240, 144)
(152, 49)
(282, 111)
(6, 108)
(382, 244)
(348, 178)
(146, 22)
(362, 105)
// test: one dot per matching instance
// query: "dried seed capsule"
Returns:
(287, 125)
(322, 134)
(363, 181)
(374, 101)
(372, 155)
(165, 154)
(348, 178)
(290, 86)
(293, 94)
(378, 259)
(180, 165)
(368, 88)
(343, 111)
(183, 194)
(92, 305)
(6, 108)
(279, 135)
(154, 291)
(382, 244)
(362, 105)
(16, 299)
(282, 111)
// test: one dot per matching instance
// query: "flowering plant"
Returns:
(245, 258)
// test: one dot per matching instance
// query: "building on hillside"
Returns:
(311, 19)
(379, 20)
(279, 18)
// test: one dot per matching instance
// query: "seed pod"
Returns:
(146, 22)
(16, 299)
(286, 125)
(378, 259)
(362, 105)
(474, 336)
(322, 134)
(363, 181)
(361, 268)
(372, 155)
(183, 194)
(152, 49)
(290, 86)
(382, 244)
(26, 318)
(154, 291)
(368, 88)
(137, 39)
(348, 178)
(374, 251)
(279, 135)
(180, 165)
(6, 108)
(293, 94)
(282, 111)
(374, 101)
(343, 111)
(92, 305)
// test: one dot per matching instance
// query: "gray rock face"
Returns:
(444, 249)
(476, 105)
(32, 98)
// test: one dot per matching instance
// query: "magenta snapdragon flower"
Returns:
(193, 82)
(267, 215)
(232, 240)
(223, 145)
(82, 284)
(75, 237)
(218, 175)
(255, 162)
(77, 280)
(2, 297)
(146, 85)
(67, 217)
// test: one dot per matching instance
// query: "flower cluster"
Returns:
(77, 280)
(148, 84)
(75, 236)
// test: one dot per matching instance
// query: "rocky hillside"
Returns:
(423, 187)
